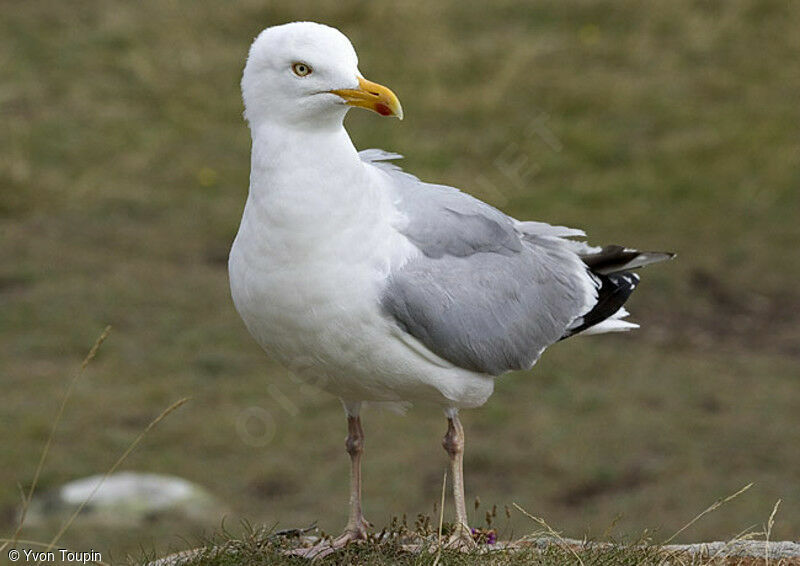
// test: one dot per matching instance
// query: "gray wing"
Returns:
(484, 294)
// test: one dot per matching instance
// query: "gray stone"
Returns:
(126, 498)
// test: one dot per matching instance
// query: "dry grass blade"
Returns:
(716, 505)
(26, 498)
(551, 531)
(746, 534)
(113, 468)
(441, 520)
(768, 531)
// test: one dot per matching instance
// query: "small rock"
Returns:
(126, 498)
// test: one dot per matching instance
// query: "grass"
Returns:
(420, 544)
(258, 549)
(123, 170)
(424, 543)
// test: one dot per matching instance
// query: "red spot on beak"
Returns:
(382, 109)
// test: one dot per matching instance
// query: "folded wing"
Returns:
(489, 293)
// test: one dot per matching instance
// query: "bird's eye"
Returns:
(301, 69)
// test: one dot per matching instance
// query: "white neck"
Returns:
(299, 154)
(306, 186)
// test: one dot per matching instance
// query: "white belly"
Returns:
(317, 311)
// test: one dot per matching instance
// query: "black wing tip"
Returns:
(615, 290)
(617, 259)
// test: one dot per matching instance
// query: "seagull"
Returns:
(379, 287)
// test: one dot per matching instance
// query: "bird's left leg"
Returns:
(453, 443)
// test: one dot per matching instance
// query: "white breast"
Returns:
(307, 270)
(307, 282)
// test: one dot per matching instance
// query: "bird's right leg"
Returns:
(357, 525)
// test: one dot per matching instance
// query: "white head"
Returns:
(305, 75)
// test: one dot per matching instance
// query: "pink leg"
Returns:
(357, 526)
(453, 443)
(356, 529)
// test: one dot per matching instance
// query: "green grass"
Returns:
(262, 549)
(123, 171)
(418, 545)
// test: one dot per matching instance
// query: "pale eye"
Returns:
(301, 69)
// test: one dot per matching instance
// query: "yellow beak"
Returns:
(372, 96)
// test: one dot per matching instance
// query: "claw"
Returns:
(353, 534)
(461, 540)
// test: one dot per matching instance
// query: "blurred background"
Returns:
(124, 165)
